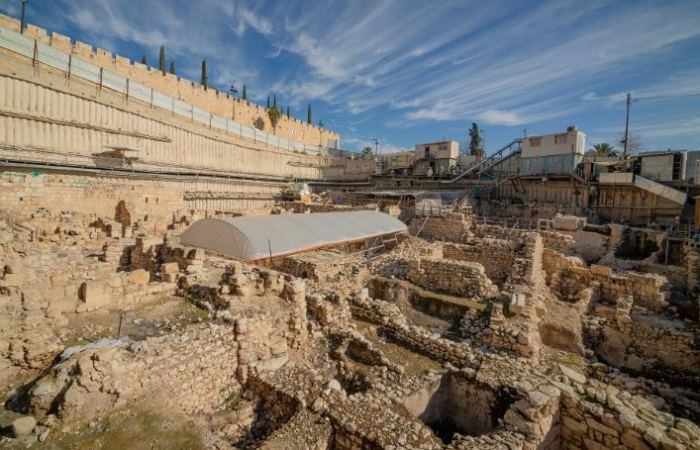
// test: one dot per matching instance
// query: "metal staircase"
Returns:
(483, 166)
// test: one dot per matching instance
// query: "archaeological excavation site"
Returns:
(181, 268)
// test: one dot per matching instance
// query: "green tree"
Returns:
(275, 115)
(245, 93)
(366, 153)
(476, 143)
(308, 115)
(172, 67)
(204, 80)
(274, 101)
(320, 123)
(289, 116)
(604, 149)
(268, 102)
(161, 60)
(143, 60)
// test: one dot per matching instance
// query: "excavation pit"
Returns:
(460, 405)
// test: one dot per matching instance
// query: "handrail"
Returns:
(484, 161)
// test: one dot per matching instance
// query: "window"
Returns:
(535, 141)
(427, 151)
(560, 138)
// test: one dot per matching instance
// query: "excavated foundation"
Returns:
(458, 405)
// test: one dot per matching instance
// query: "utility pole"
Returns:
(627, 126)
(22, 24)
(376, 146)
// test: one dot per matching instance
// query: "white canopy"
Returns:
(258, 237)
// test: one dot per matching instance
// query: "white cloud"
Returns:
(496, 117)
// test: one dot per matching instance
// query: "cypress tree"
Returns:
(204, 81)
(288, 115)
(274, 102)
(308, 115)
(268, 102)
(161, 60)
(143, 60)
(245, 93)
(172, 67)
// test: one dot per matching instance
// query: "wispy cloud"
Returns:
(410, 63)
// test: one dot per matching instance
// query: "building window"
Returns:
(427, 151)
(560, 138)
(535, 141)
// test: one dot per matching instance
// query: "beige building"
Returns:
(436, 158)
(572, 141)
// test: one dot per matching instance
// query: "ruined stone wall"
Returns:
(568, 278)
(560, 242)
(452, 227)
(496, 255)
(603, 417)
(455, 277)
(152, 203)
(210, 99)
(195, 369)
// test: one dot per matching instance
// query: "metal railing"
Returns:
(40, 52)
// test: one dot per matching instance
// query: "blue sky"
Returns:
(418, 71)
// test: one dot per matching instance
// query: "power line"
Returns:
(656, 97)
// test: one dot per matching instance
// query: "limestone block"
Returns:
(601, 270)
(170, 268)
(23, 425)
(94, 295)
(139, 276)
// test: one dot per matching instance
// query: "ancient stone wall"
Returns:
(452, 227)
(452, 276)
(568, 278)
(209, 99)
(496, 255)
(196, 370)
(153, 204)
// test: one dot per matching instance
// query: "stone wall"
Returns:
(152, 204)
(74, 124)
(212, 100)
(452, 276)
(568, 278)
(496, 255)
(452, 227)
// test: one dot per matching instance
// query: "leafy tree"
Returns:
(161, 60)
(320, 123)
(274, 101)
(288, 113)
(245, 93)
(275, 115)
(172, 67)
(143, 60)
(476, 143)
(366, 153)
(308, 115)
(204, 80)
(604, 149)
(268, 102)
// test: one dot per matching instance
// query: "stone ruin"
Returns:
(467, 336)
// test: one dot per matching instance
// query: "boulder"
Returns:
(23, 425)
